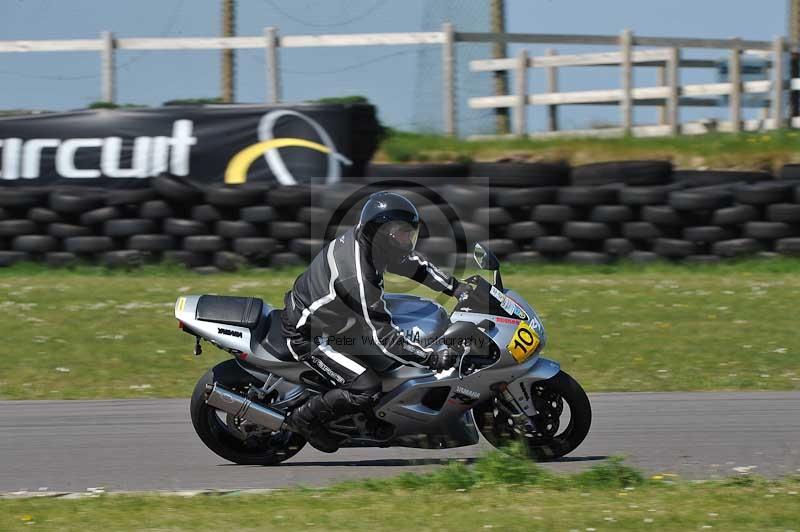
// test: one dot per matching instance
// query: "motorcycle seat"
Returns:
(230, 310)
(274, 341)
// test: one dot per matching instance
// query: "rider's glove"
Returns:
(462, 290)
(443, 358)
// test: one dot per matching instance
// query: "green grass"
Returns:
(92, 333)
(499, 492)
(766, 151)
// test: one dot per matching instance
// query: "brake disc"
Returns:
(549, 406)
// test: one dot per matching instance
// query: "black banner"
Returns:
(211, 144)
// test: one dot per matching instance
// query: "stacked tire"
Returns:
(515, 190)
(523, 211)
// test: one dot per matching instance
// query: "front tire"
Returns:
(549, 396)
(223, 437)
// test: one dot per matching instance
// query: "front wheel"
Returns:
(556, 430)
(239, 442)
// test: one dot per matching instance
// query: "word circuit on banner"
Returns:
(233, 144)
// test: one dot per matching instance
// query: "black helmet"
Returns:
(390, 224)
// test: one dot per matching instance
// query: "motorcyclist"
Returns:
(338, 303)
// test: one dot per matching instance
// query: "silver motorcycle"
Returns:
(501, 387)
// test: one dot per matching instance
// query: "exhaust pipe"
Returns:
(243, 408)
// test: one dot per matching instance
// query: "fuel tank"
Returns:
(419, 318)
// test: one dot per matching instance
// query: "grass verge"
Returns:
(764, 150)
(92, 333)
(501, 491)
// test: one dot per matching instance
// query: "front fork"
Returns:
(521, 413)
(517, 395)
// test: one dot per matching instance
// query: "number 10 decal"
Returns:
(523, 343)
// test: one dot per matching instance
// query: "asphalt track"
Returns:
(151, 445)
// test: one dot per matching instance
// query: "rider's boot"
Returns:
(307, 421)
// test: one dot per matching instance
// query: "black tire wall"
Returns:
(525, 212)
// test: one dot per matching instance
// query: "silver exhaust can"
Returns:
(243, 408)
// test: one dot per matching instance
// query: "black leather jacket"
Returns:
(341, 295)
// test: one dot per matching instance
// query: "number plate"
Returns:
(523, 343)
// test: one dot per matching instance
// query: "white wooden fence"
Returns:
(670, 95)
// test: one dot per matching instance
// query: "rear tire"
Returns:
(493, 423)
(222, 439)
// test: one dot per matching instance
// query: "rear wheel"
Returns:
(239, 442)
(563, 419)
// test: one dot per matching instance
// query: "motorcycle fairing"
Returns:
(406, 405)
(452, 425)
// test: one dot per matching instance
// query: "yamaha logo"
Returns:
(229, 332)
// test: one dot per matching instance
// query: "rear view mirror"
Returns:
(486, 259)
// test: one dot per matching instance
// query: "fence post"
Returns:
(272, 64)
(107, 68)
(673, 101)
(735, 96)
(661, 81)
(552, 86)
(448, 79)
(777, 83)
(521, 88)
(765, 111)
(626, 103)
(794, 72)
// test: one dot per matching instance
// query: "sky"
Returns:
(392, 77)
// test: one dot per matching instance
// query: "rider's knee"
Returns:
(368, 383)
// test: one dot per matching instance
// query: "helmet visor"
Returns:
(402, 235)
